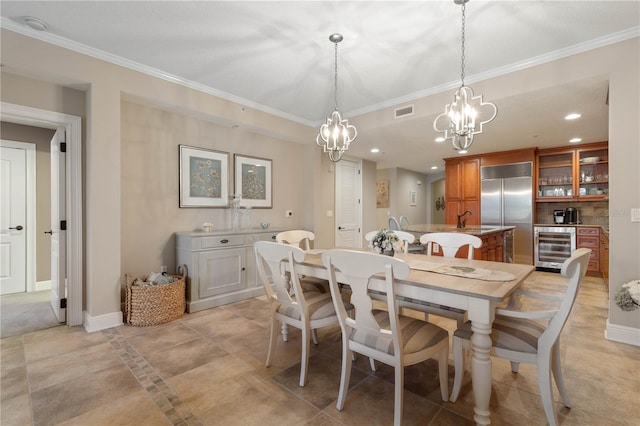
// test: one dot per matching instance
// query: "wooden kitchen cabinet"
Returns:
(492, 248)
(589, 237)
(221, 266)
(604, 256)
(573, 173)
(462, 190)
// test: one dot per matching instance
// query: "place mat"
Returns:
(463, 271)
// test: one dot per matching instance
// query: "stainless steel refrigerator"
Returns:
(507, 201)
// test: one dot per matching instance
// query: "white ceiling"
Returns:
(276, 56)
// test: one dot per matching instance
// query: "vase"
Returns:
(388, 252)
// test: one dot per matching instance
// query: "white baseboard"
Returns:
(43, 285)
(622, 334)
(102, 322)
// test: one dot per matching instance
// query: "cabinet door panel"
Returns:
(452, 181)
(471, 179)
(221, 271)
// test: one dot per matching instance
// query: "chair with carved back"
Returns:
(449, 243)
(302, 239)
(289, 303)
(381, 334)
(521, 336)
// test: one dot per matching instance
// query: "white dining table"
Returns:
(479, 297)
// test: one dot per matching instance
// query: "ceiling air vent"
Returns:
(404, 111)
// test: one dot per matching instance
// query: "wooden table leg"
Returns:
(481, 371)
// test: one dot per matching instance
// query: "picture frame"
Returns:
(413, 198)
(382, 194)
(253, 181)
(204, 177)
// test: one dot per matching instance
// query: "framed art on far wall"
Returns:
(253, 181)
(204, 177)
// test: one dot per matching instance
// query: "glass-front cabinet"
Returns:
(570, 174)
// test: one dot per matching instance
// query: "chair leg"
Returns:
(304, 360)
(285, 332)
(443, 368)
(314, 336)
(544, 382)
(514, 366)
(556, 367)
(458, 363)
(399, 395)
(372, 363)
(345, 376)
(272, 340)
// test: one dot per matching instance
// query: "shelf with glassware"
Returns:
(570, 174)
(593, 173)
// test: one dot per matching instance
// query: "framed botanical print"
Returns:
(253, 181)
(204, 177)
(413, 198)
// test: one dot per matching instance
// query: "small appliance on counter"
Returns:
(572, 216)
(559, 217)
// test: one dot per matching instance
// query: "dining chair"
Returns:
(306, 310)
(404, 222)
(302, 238)
(296, 237)
(394, 225)
(383, 335)
(519, 336)
(449, 243)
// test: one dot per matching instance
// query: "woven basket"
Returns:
(155, 304)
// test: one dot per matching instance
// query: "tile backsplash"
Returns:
(591, 213)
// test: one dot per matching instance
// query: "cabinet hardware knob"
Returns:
(225, 241)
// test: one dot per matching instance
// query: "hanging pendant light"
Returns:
(336, 135)
(464, 117)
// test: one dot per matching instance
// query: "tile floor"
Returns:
(208, 368)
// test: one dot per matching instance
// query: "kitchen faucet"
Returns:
(462, 224)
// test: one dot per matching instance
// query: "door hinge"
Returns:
(63, 147)
(63, 225)
(63, 303)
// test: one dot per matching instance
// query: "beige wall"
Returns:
(42, 139)
(149, 182)
(408, 181)
(107, 84)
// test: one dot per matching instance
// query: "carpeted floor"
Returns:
(25, 312)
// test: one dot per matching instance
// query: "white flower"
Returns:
(628, 296)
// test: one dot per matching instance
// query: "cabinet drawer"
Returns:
(267, 236)
(588, 242)
(594, 265)
(222, 241)
(588, 231)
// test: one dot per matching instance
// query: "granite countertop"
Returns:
(473, 230)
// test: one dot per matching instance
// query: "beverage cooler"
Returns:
(553, 245)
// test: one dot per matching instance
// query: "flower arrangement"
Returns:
(384, 240)
(628, 296)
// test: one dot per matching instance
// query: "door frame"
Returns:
(30, 217)
(20, 114)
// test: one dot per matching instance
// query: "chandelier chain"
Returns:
(335, 80)
(462, 44)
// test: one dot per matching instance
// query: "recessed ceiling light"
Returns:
(434, 167)
(35, 23)
(575, 140)
(573, 116)
(375, 150)
(439, 139)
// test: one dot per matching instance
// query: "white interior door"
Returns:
(58, 236)
(348, 206)
(13, 220)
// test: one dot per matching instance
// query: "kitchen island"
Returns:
(497, 241)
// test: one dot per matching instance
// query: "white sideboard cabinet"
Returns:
(221, 266)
